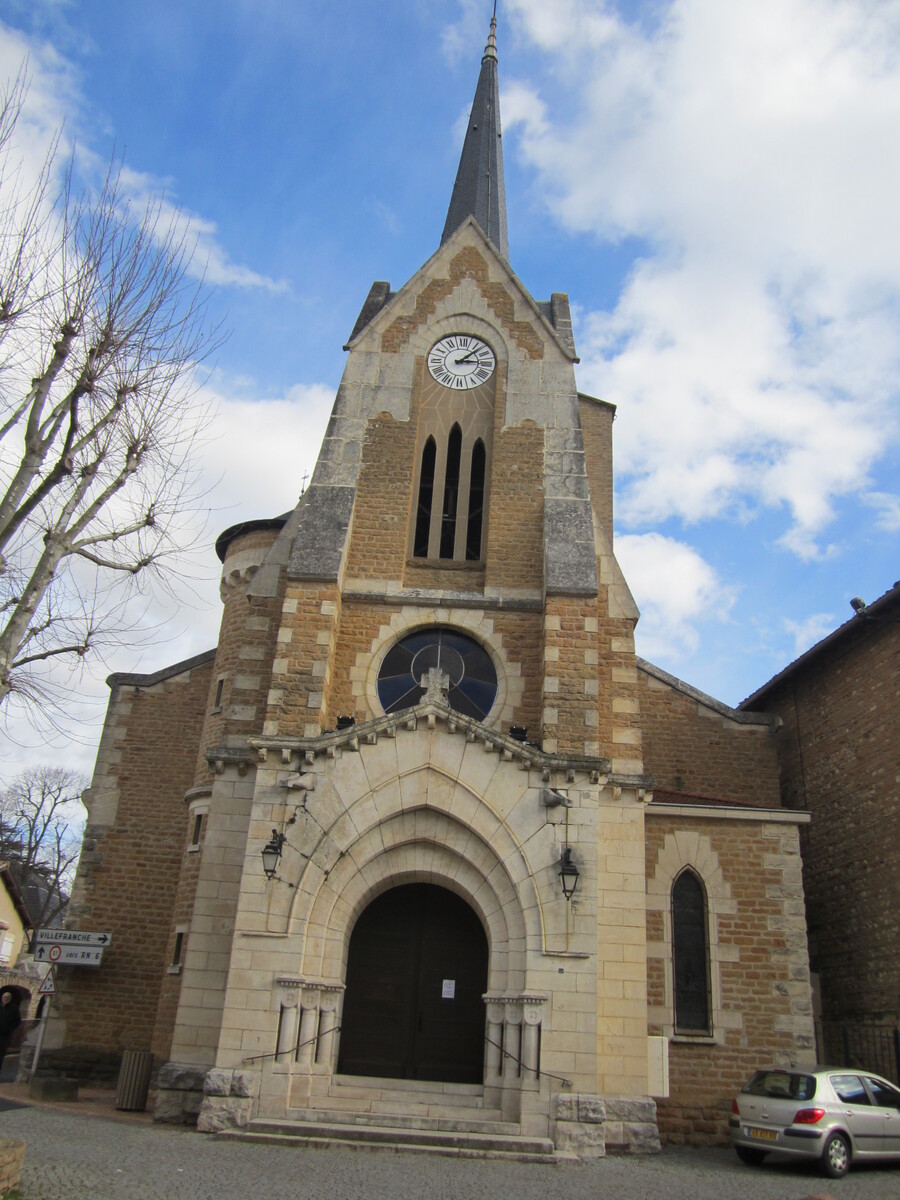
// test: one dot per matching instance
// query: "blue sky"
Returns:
(713, 184)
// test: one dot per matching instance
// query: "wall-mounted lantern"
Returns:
(568, 873)
(271, 853)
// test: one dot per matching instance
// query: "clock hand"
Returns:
(465, 358)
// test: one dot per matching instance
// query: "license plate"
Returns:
(766, 1135)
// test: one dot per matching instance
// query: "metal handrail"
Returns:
(536, 1070)
(277, 1054)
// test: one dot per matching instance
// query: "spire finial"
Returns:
(479, 191)
(490, 50)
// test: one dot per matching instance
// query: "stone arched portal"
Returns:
(416, 976)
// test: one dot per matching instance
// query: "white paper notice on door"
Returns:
(448, 990)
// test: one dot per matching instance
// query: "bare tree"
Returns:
(101, 329)
(41, 824)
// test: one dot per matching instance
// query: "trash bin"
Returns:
(134, 1080)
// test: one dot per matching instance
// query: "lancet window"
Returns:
(690, 944)
(451, 498)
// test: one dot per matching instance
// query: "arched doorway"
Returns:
(416, 977)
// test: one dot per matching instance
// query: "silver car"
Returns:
(834, 1114)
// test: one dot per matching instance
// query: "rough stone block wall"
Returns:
(760, 1000)
(695, 749)
(515, 527)
(620, 730)
(380, 537)
(571, 716)
(596, 431)
(244, 654)
(840, 760)
(182, 911)
(302, 670)
(129, 870)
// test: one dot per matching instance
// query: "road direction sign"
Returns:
(71, 937)
(79, 956)
(48, 986)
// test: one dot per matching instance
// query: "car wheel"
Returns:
(836, 1156)
(750, 1156)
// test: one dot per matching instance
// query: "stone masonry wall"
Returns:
(695, 749)
(129, 870)
(596, 430)
(244, 654)
(761, 1005)
(840, 760)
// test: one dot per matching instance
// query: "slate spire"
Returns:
(479, 191)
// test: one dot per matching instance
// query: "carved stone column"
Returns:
(329, 1003)
(512, 1043)
(493, 1068)
(288, 994)
(309, 1028)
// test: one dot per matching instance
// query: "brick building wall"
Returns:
(130, 864)
(761, 1008)
(701, 748)
(839, 708)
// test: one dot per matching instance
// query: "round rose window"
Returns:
(464, 663)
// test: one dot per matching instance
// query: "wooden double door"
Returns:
(416, 977)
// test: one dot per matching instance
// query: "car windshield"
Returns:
(781, 1085)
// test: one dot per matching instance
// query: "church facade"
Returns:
(422, 838)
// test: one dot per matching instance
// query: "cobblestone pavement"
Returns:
(72, 1157)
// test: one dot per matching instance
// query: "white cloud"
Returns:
(754, 349)
(458, 37)
(887, 508)
(810, 630)
(674, 588)
(54, 108)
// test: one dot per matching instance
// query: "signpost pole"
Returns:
(45, 1016)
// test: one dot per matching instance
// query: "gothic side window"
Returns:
(690, 945)
(466, 666)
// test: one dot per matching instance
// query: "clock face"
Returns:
(460, 361)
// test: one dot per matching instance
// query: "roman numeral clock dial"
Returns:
(461, 362)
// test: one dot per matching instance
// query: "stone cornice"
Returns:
(429, 715)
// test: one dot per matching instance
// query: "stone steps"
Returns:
(464, 1144)
(448, 1120)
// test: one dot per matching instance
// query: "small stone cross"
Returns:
(436, 684)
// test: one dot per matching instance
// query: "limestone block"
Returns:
(642, 1138)
(587, 1141)
(181, 1077)
(578, 1106)
(217, 1082)
(637, 1109)
(245, 1084)
(218, 1113)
